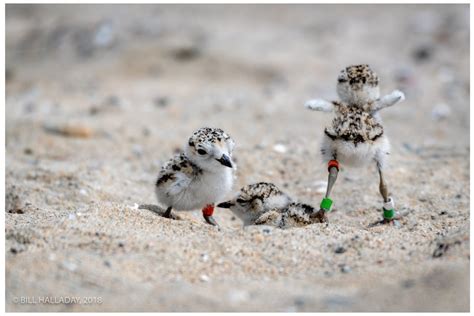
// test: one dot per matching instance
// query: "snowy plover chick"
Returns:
(356, 136)
(256, 199)
(294, 215)
(200, 176)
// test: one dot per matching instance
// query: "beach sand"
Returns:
(99, 97)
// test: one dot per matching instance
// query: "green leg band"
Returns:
(326, 204)
(388, 214)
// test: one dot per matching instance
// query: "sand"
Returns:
(99, 97)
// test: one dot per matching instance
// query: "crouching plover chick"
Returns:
(293, 215)
(255, 200)
(264, 203)
(356, 136)
(200, 176)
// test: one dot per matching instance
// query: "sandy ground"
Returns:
(98, 97)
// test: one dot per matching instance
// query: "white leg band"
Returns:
(390, 205)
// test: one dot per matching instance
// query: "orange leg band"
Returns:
(208, 210)
(333, 163)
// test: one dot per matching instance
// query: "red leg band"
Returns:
(333, 163)
(208, 210)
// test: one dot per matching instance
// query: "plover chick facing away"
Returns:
(200, 176)
(356, 136)
(254, 200)
(264, 203)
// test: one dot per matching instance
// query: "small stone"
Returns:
(83, 192)
(28, 151)
(186, 53)
(112, 100)
(266, 231)
(161, 102)
(299, 301)
(121, 244)
(280, 148)
(423, 53)
(94, 110)
(204, 257)
(204, 278)
(340, 249)
(71, 216)
(344, 268)
(409, 283)
(107, 263)
(78, 131)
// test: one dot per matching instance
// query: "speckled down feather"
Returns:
(355, 124)
(294, 215)
(179, 163)
(208, 134)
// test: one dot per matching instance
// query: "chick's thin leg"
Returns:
(326, 203)
(167, 213)
(388, 206)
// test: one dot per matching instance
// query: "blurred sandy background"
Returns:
(99, 96)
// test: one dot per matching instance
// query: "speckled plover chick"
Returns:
(356, 136)
(200, 176)
(293, 215)
(254, 200)
(264, 203)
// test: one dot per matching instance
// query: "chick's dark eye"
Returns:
(241, 201)
(341, 80)
(202, 151)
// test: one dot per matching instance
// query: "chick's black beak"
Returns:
(227, 204)
(225, 160)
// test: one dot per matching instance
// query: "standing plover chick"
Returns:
(255, 200)
(200, 176)
(356, 136)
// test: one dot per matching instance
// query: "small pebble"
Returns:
(266, 231)
(204, 278)
(340, 249)
(423, 53)
(78, 131)
(204, 257)
(345, 268)
(280, 148)
(161, 102)
(408, 283)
